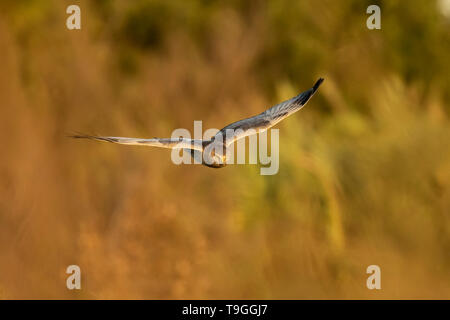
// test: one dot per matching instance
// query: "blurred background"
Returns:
(364, 172)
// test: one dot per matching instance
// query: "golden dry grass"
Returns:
(364, 169)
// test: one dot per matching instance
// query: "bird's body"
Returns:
(212, 153)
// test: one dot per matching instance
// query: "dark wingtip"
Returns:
(317, 84)
(79, 136)
(88, 136)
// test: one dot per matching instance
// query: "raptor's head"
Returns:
(215, 154)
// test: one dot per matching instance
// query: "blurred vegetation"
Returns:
(364, 169)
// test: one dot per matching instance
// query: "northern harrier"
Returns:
(212, 153)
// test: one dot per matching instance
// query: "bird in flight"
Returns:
(212, 152)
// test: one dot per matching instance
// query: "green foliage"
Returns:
(364, 167)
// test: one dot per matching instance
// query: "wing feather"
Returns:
(266, 119)
(172, 143)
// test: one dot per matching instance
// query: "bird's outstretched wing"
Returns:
(267, 119)
(172, 143)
